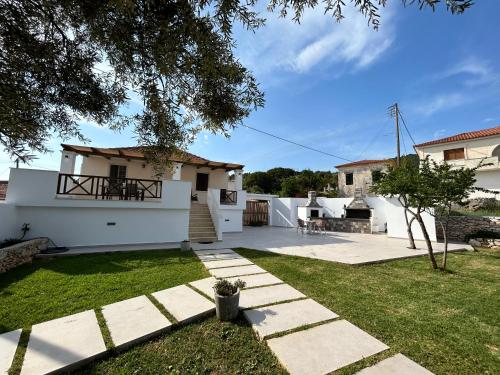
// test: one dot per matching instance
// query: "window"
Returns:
(202, 181)
(496, 152)
(118, 172)
(454, 154)
(376, 176)
(349, 178)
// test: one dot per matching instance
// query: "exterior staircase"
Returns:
(201, 227)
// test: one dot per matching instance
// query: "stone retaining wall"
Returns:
(21, 253)
(348, 225)
(459, 226)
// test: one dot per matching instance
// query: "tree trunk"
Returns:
(404, 202)
(445, 236)
(430, 251)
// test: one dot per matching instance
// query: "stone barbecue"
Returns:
(312, 209)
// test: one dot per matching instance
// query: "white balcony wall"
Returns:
(229, 217)
(82, 222)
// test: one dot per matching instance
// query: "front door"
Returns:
(202, 187)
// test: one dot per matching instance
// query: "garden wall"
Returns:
(459, 226)
(21, 253)
(8, 222)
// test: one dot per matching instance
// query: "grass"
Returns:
(447, 322)
(49, 289)
(205, 347)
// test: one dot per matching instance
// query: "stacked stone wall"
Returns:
(459, 226)
(21, 253)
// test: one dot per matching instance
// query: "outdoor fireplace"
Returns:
(358, 208)
(312, 209)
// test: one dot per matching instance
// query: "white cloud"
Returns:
(439, 103)
(477, 71)
(318, 41)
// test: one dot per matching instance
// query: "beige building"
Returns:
(117, 164)
(360, 175)
(469, 149)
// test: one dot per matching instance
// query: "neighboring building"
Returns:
(3, 189)
(360, 175)
(469, 149)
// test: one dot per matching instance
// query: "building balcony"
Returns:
(489, 163)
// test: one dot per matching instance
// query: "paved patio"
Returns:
(349, 248)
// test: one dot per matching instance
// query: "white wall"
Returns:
(226, 217)
(8, 222)
(82, 222)
(284, 214)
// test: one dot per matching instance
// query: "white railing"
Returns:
(213, 203)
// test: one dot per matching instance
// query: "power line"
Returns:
(407, 130)
(296, 144)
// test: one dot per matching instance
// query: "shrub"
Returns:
(482, 234)
(9, 242)
(226, 288)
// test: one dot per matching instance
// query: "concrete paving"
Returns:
(226, 263)
(62, 344)
(268, 295)
(133, 320)
(325, 348)
(8, 346)
(261, 279)
(209, 257)
(286, 316)
(236, 271)
(395, 365)
(200, 250)
(349, 248)
(184, 303)
(206, 286)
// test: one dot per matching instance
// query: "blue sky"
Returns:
(328, 85)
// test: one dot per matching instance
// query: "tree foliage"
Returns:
(62, 61)
(287, 182)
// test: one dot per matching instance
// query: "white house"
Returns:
(116, 197)
(469, 149)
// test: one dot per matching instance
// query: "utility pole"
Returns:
(394, 111)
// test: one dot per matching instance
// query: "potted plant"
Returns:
(185, 245)
(227, 298)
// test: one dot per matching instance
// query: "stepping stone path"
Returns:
(274, 308)
(133, 320)
(63, 344)
(286, 316)
(398, 364)
(8, 346)
(184, 303)
(276, 311)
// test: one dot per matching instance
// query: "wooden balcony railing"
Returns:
(102, 187)
(228, 196)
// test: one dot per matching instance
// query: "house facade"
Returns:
(469, 149)
(360, 175)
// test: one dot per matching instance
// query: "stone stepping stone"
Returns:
(268, 295)
(325, 348)
(209, 257)
(214, 251)
(206, 286)
(236, 271)
(226, 263)
(133, 320)
(395, 365)
(8, 346)
(260, 279)
(63, 344)
(184, 303)
(283, 317)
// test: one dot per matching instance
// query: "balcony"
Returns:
(107, 188)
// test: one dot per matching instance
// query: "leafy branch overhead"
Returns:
(65, 61)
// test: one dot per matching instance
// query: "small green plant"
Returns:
(226, 288)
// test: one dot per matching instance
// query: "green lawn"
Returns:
(48, 289)
(447, 322)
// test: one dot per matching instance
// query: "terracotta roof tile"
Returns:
(364, 162)
(136, 152)
(463, 136)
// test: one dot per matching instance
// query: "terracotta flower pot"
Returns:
(227, 307)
